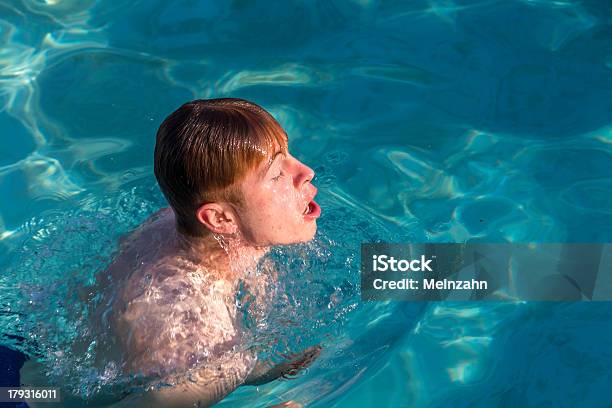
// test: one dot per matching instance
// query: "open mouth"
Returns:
(312, 210)
(308, 208)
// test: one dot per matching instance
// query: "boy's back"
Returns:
(170, 313)
(173, 313)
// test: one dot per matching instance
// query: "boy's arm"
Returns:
(266, 371)
(186, 394)
(202, 388)
(208, 386)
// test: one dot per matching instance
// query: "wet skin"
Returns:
(169, 298)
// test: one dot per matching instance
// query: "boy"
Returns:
(234, 191)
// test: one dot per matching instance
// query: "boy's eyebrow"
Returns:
(265, 170)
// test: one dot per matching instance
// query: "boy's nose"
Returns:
(305, 175)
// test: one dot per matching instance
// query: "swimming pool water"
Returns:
(439, 120)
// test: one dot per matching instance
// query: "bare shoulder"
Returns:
(167, 313)
(172, 317)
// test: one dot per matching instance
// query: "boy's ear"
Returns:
(217, 218)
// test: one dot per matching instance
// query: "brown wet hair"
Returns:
(205, 147)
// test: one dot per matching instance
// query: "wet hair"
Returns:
(205, 147)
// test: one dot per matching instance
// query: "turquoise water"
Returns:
(440, 121)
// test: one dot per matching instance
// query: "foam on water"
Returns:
(50, 296)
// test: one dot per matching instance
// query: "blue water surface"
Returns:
(437, 120)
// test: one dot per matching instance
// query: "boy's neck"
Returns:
(231, 257)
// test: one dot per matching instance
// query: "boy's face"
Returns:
(278, 202)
